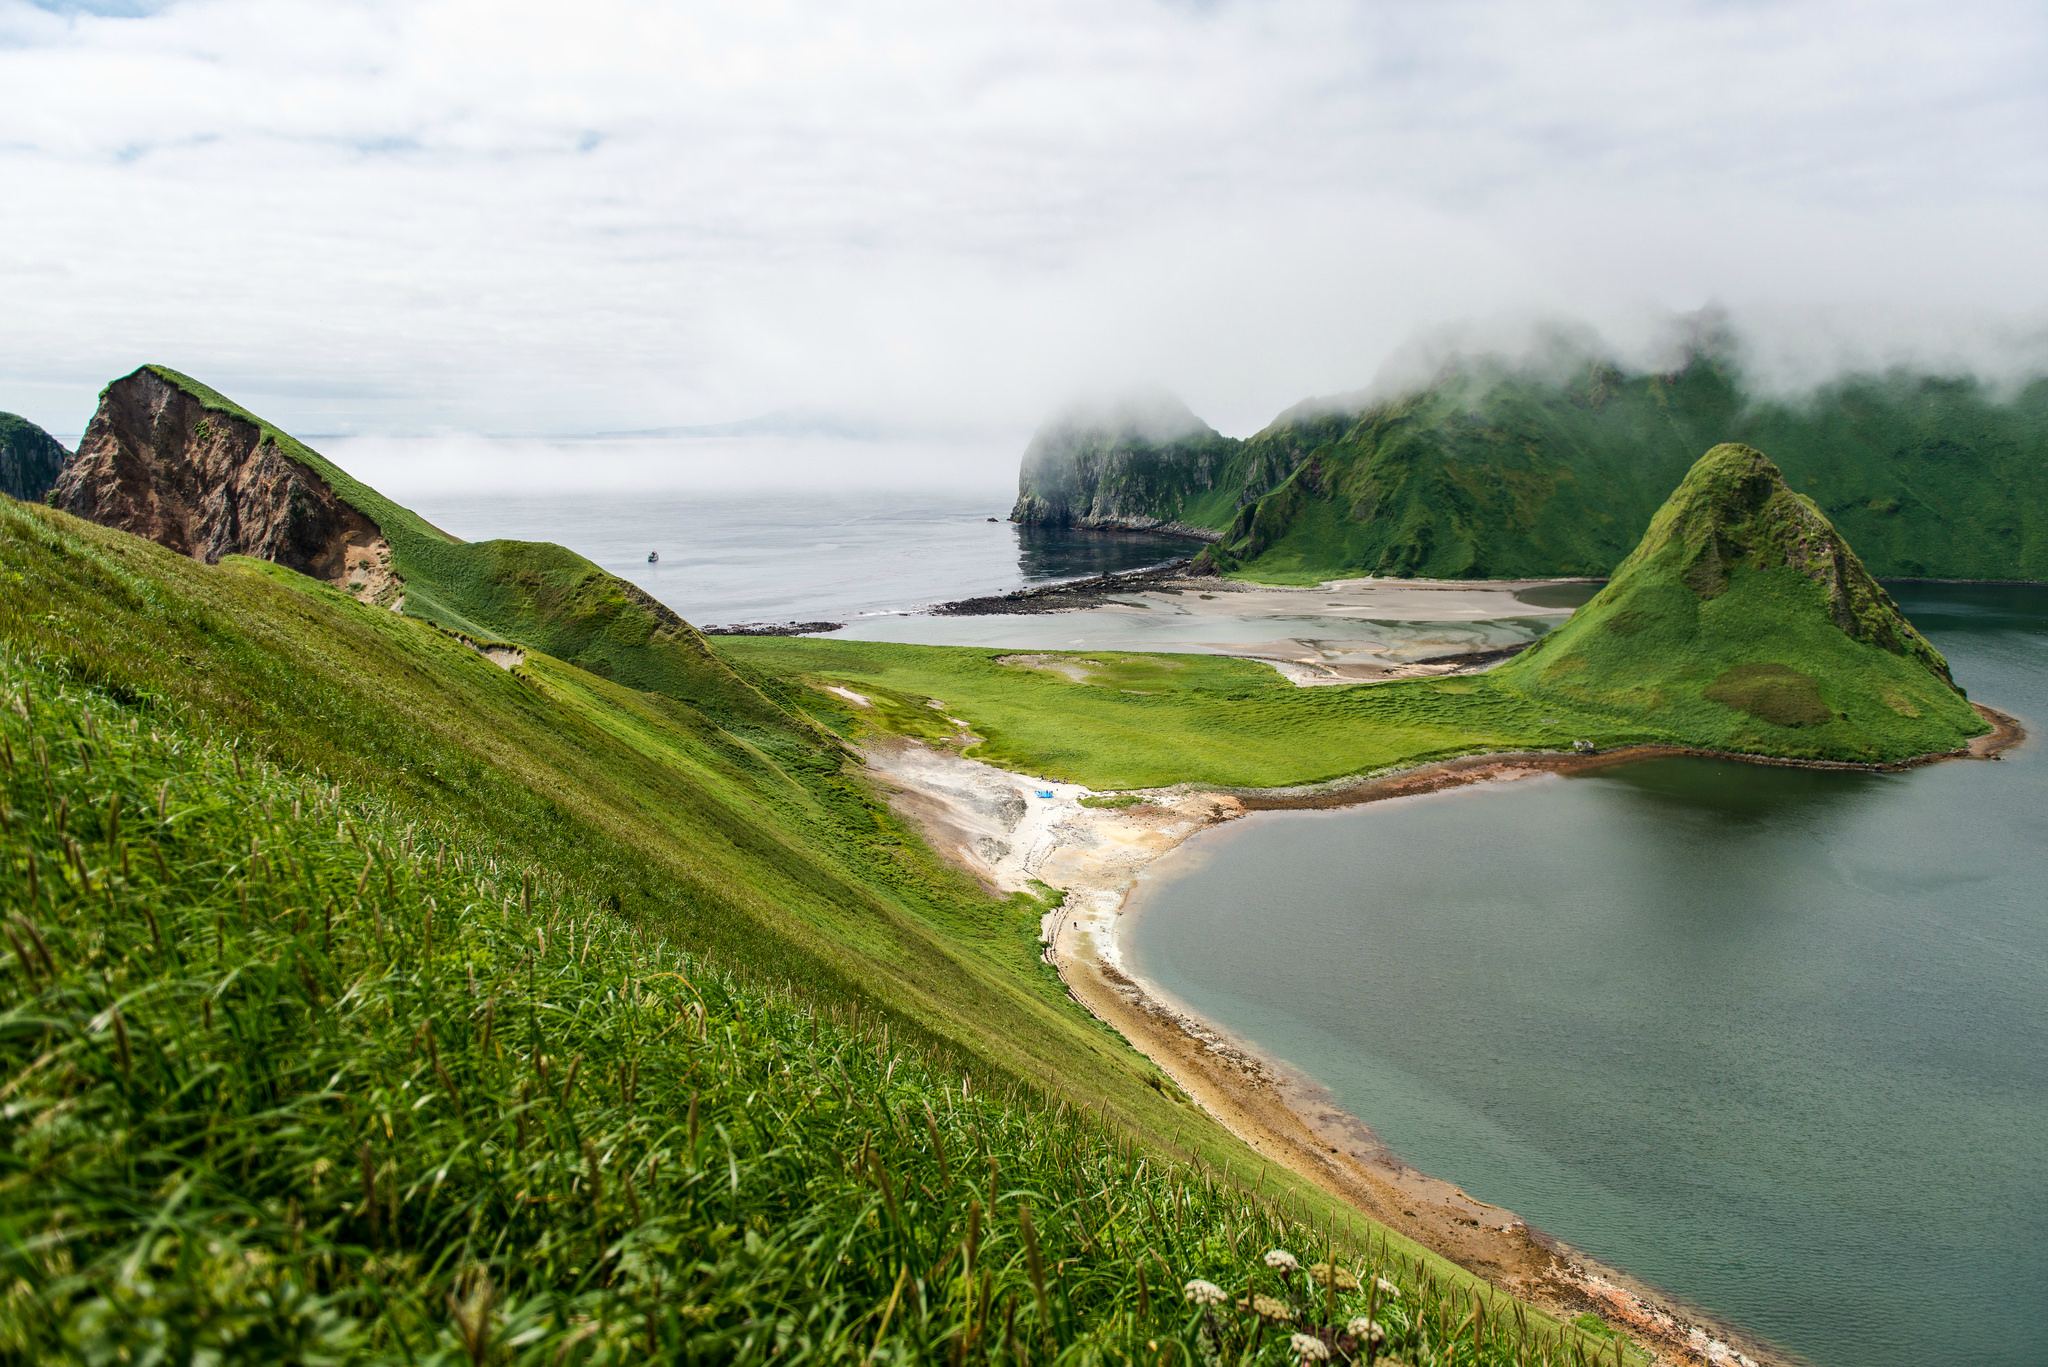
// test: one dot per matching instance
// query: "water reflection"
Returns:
(1046, 553)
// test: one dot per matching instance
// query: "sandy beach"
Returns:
(1345, 631)
(993, 823)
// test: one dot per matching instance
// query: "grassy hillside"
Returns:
(1745, 621)
(1493, 472)
(363, 1000)
(535, 593)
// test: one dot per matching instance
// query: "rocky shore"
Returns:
(772, 629)
(1172, 577)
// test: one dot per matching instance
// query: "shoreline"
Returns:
(984, 819)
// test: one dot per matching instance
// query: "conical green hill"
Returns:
(1743, 621)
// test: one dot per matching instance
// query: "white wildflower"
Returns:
(1323, 1274)
(1203, 1293)
(1272, 1308)
(1280, 1260)
(1387, 1287)
(1365, 1330)
(1309, 1348)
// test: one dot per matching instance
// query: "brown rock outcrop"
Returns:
(159, 463)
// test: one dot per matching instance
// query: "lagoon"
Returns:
(1774, 1040)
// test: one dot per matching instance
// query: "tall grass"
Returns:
(291, 1075)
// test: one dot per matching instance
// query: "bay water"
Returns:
(1775, 1040)
(730, 557)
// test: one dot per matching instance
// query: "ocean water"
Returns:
(782, 556)
(1774, 1040)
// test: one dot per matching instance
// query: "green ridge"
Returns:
(1743, 621)
(529, 592)
(1492, 472)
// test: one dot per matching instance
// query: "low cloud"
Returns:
(459, 216)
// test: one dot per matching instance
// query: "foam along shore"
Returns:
(996, 824)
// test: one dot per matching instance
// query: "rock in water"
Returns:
(30, 459)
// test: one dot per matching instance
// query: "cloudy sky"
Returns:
(499, 216)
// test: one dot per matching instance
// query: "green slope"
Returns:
(1744, 621)
(1494, 473)
(1741, 622)
(533, 593)
(361, 996)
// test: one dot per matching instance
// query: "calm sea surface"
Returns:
(1774, 1040)
(729, 558)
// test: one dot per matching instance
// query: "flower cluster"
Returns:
(1332, 1315)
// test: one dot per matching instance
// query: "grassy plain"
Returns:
(1136, 721)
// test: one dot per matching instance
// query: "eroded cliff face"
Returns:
(30, 459)
(160, 464)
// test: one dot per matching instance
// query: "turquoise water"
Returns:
(1774, 1040)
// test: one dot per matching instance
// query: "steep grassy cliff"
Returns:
(30, 459)
(362, 999)
(169, 458)
(1492, 472)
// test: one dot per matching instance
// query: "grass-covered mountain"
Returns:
(362, 999)
(1491, 471)
(1744, 622)
(30, 459)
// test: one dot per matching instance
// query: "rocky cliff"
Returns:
(158, 462)
(30, 459)
(1140, 463)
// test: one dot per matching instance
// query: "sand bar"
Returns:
(1346, 631)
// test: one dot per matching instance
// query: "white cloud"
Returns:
(608, 215)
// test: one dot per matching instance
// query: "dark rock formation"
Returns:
(1134, 464)
(30, 459)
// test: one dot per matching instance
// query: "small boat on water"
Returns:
(654, 557)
